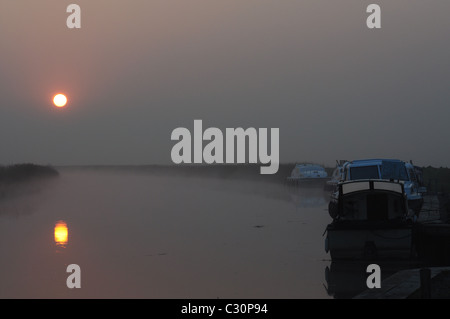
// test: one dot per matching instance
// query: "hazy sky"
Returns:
(136, 70)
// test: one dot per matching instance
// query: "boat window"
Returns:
(355, 187)
(388, 186)
(394, 171)
(364, 172)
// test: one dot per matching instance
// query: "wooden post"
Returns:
(425, 283)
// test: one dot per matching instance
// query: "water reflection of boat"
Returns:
(370, 221)
(308, 174)
(309, 197)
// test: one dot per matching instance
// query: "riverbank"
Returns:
(19, 178)
(25, 172)
(406, 284)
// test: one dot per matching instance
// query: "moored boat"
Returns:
(370, 221)
(388, 169)
(307, 174)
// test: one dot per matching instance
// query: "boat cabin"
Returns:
(308, 171)
(369, 200)
(391, 170)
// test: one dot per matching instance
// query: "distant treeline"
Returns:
(223, 171)
(25, 172)
(437, 179)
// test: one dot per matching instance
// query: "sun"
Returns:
(60, 100)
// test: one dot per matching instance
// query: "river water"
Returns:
(152, 236)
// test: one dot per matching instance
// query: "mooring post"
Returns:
(425, 283)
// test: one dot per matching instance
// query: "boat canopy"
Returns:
(305, 171)
(393, 170)
(310, 167)
(358, 186)
(371, 200)
(389, 169)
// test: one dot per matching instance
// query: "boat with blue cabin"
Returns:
(391, 170)
(307, 174)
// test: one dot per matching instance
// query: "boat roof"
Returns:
(373, 161)
(312, 166)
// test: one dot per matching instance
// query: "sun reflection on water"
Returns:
(61, 234)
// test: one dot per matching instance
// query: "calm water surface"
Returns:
(147, 236)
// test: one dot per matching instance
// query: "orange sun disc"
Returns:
(60, 100)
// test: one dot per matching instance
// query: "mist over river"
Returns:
(142, 235)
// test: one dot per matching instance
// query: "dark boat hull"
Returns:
(365, 242)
